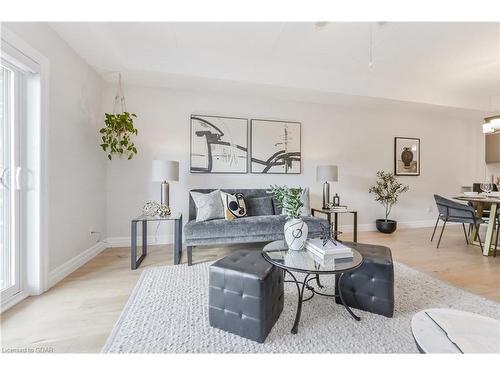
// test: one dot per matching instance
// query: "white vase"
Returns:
(296, 234)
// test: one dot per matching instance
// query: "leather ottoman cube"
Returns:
(371, 286)
(246, 295)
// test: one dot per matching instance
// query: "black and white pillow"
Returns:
(234, 205)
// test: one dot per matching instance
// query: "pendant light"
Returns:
(492, 124)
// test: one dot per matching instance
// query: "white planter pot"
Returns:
(296, 234)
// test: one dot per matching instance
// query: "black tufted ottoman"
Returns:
(246, 295)
(371, 286)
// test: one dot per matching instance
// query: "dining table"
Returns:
(480, 201)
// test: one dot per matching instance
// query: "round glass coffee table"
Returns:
(304, 262)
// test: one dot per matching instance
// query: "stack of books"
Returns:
(330, 251)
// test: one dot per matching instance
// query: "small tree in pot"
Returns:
(387, 190)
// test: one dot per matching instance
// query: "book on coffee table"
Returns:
(330, 250)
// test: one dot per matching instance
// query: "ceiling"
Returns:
(448, 64)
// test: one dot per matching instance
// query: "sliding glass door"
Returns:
(10, 259)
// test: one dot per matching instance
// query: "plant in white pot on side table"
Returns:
(387, 190)
(295, 228)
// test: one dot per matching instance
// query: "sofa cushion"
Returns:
(260, 206)
(246, 226)
(208, 206)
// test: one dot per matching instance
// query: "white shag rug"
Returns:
(168, 313)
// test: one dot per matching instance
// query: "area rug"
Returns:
(168, 313)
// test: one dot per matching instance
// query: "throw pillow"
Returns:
(208, 206)
(234, 205)
(260, 206)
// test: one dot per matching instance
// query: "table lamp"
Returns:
(164, 171)
(326, 173)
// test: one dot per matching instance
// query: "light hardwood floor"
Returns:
(78, 314)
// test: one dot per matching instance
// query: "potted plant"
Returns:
(116, 134)
(387, 190)
(289, 199)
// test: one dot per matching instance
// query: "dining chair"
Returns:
(453, 212)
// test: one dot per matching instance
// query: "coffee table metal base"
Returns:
(303, 285)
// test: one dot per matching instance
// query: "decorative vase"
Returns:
(386, 226)
(407, 156)
(296, 234)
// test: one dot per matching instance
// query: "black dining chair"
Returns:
(453, 212)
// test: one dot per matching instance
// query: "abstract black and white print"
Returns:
(275, 147)
(219, 144)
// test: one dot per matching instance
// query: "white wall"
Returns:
(356, 136)
(76, 168)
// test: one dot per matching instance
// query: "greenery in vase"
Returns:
(116, 134)
(289, 199)
(387, 190)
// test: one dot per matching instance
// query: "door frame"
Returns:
(14, 119)
(36, 260)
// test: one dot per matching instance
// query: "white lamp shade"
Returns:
(164, 170)
(327, 173)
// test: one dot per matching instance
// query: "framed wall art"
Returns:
(276, 147)
(218, 144)
(406, 156)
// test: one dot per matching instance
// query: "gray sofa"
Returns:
(264, 228)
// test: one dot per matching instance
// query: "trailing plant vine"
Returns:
(119, 128)
(116, 134)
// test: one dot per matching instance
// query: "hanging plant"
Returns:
(119, 128)
(116, 134)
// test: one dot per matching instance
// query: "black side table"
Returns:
(176, 217)
(336, 212)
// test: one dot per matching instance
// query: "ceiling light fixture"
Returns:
(492, 124)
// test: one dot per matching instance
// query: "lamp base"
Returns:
(165, 198)
(164, 193)
(326, 195)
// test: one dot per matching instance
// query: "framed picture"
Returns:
(218, 144)
(276, 147)
(406, 156)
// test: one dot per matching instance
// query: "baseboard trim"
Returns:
(15, 299)
(152, 240)
(73, 264)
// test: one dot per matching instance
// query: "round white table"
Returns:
(455, 331)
